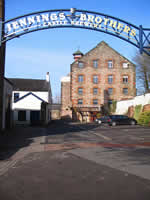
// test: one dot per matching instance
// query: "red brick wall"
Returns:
(65, 100)
(102, 53)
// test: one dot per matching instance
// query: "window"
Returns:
(21, 115)
(80, 78)
(95, 63)
(95, 90)
(16, 96)
(125, 79)
(80, 64)
(110, 64)
(125, 65)
(95, 79)
(110, 91)
(109, 103)
(125, 90)
(124, 117)
(80, 91)
(110, 79)
(95, 101)
(80, 101)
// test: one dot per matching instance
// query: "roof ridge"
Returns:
(105, 43)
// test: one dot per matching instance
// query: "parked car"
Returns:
(121, 120)
(104, 119)
(114, 120)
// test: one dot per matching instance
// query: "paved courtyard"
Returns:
(76, 161)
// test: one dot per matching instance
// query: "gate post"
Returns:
(2, 65)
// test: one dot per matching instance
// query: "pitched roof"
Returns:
(30, 93)
(104, 43)
(8, 81)
(29, 84)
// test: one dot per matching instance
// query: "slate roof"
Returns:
(8, 81)
(29, 84)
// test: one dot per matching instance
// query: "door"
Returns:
(35, 117)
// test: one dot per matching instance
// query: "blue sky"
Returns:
(34, 54)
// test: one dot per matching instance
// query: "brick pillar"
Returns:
(2, 64)
(66, 112)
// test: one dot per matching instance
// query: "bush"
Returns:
(144, 118)
(137, 111)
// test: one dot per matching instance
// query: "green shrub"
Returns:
(144, 118)
(137, 111)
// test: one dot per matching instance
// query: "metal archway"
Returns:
(74, 18)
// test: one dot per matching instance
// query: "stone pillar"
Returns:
(2, 65)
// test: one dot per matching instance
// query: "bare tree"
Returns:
(143, 72)
(57, 99)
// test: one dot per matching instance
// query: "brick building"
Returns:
(66, 112)
(98, 78)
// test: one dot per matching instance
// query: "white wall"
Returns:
(29, 102)
(122, 106)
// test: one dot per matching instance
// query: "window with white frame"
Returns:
(110, 64)
(125, 90)
(125, 65)
(80, 78)
(110, 79)
(80, 91)
(95, 91)
(110, 91)
(80, 101)
(95, 63)
(95, 101)
(95, 79)
(80, 64)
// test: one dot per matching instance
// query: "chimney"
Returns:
(77, 55)
(47, 77)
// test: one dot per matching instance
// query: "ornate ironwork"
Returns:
(74, 18)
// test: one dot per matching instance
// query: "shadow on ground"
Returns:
(60, 127)
(13, 140)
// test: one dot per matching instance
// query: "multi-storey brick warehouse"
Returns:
(97, 78)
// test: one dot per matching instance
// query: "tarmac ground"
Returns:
(73, 161)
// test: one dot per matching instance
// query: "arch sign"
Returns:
(66, 18)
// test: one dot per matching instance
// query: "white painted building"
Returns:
(122, 106)
(28, 96)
